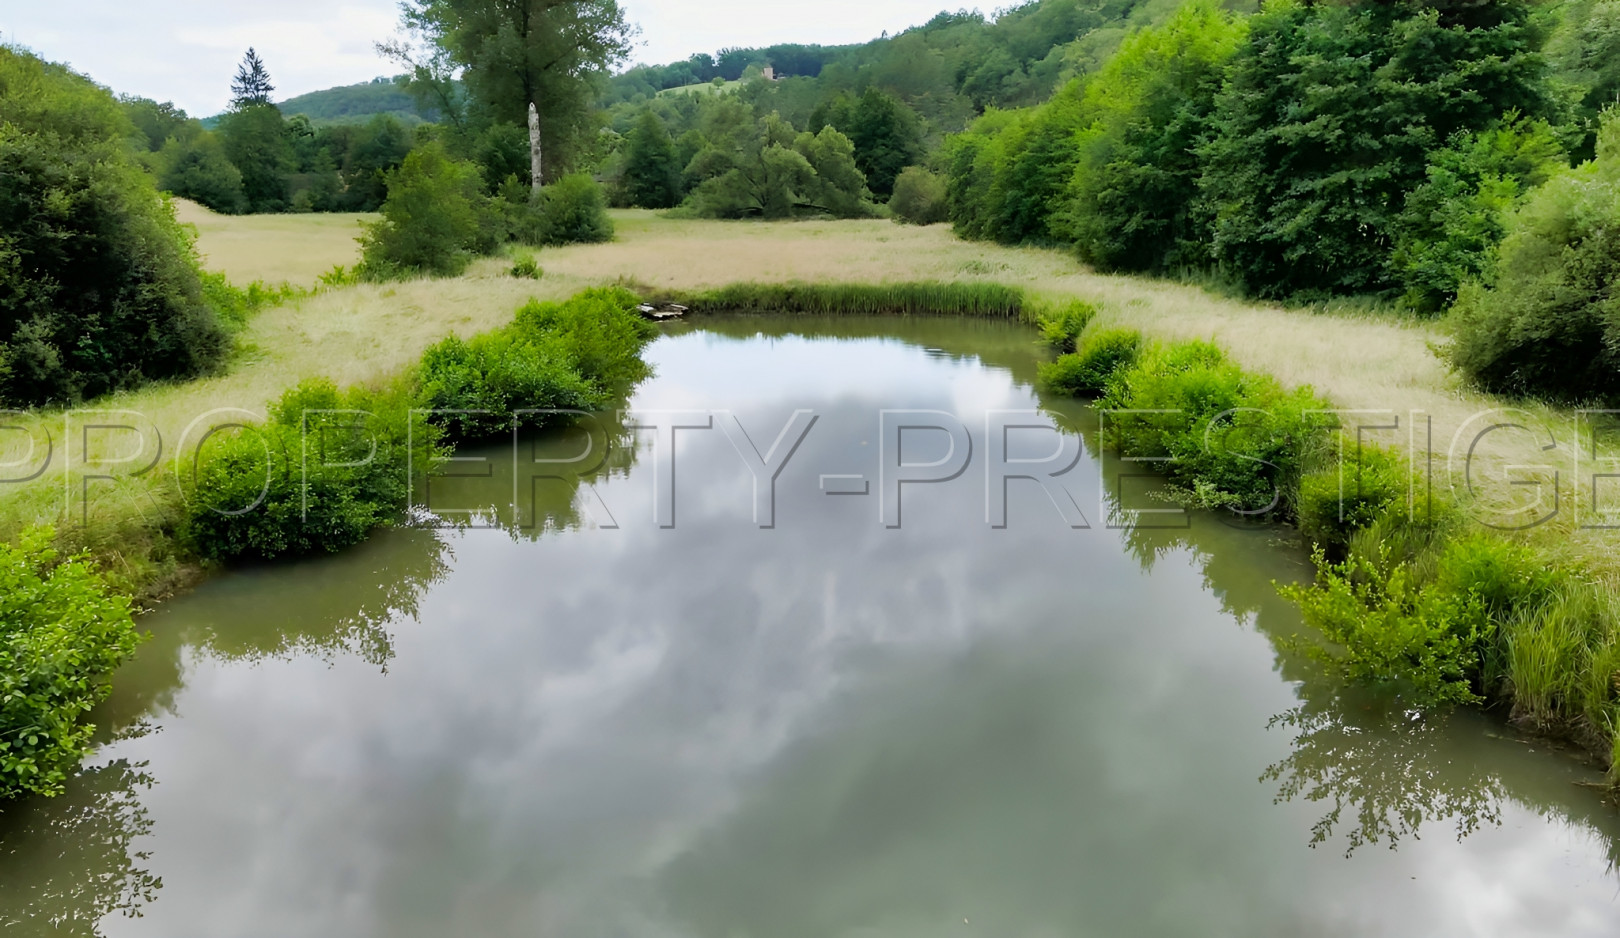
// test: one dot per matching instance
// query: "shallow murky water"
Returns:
(582, 722)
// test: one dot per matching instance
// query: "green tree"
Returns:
(436, 219)
(1587, 54)
(158, 123)
(529, 62)
(1545, 321)
(1131, 203)
(259, 146)
(1455, 219)
(887, 138)
(764, 169)
(919, 197)
(652, 169)
(200, 171)
(1327, 120)
(251, 87)
(99, 288)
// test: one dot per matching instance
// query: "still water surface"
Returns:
(828, 729)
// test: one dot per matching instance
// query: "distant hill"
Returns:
(354, 104)
(350, 104)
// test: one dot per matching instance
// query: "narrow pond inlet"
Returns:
(568, 719)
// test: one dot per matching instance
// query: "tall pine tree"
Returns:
(251, 87)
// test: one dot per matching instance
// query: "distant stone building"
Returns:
(770, 73)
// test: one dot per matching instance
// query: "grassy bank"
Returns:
(987, 300)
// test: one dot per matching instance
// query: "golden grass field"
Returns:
(274, 248)
(1361, 361)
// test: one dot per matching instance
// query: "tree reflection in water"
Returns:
(70, 862)
(1379, 772)
(1385, 767)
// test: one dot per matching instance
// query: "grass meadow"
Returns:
(1361, 360)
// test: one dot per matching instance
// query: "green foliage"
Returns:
(435, 221)
(158, 123)
(527, 268)
(1089, 370)
(920, 197)
(62, 633)
(990, 300)
(98, 284)
(763, 169)
(235, 305)
(885, 134)
(1231, 439)
(1586, 51)
(477, 386)
(1455, 219)
(1391, 631)
(1010, 189)
(1326, 122)
(251, 87)
(200, 171)
(328, 468)
(577, 355)
(602, 333)
(1062, 328)
(652, 168)
(512, 55)
(572, 210)
(1547, 324)
(1132, 201)
(258, 144)
(1349, 494)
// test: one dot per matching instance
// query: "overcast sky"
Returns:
(186, 51)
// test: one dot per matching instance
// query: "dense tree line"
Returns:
(257, 160)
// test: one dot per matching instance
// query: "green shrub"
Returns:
(1344, 497)
(1453, 222)
(1547, 326)
(476, 385)
(99, 288)
(63, 632)
(1391, 631)
(527, 268)
(1231, 439)
(327, 469)
(576, 355)
(919, 197)
(200, 171)
(435, 220)
(1101, 356)
(600, 331)
(1062, 329)
(572, 210)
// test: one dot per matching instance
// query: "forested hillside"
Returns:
(356, 104)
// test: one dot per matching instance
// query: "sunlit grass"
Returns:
(294, 249)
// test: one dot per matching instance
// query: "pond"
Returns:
(610, 701)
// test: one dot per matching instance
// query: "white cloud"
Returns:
(187, 50)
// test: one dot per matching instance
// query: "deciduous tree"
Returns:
(528, 62)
